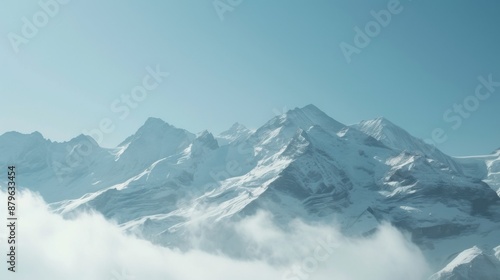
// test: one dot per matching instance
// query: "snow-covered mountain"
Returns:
(472, 263)
(57, 170)
(486, 167)
(302, 164)
(236, 132)
(397, 138)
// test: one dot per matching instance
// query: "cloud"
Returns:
(88, 247)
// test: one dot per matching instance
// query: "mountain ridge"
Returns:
(301, 164)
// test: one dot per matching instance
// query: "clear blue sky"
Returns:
(263, 57)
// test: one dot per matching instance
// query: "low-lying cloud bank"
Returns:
(90, 248)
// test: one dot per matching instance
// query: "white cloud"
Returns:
(90, 248)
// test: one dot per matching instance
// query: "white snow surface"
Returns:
(472, 263)
(485, 167)
(302, 164)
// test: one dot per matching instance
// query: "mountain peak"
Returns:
(310, 115)
(37, 134)
(154, 122)
(34, 134)
(235, 132)
(311, 108)
(379, 123)
(382, 129)
(81, 138)
(155, 129)
(308, 109)
(472, 263)
(207, 139)
(154, 126)
(24, 138)
(397, 138)
(236, 127)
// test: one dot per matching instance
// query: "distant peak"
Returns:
(378, 125)
(235, 130)
(37, 134)
(380, 121)
(204, 133)
(311, 108)
(237, 126)
(81, 138)
(154, 122)
(156, 128)
(14, 134)
(390, 134)
(154, 125)
(207, 139)
(306, 117)
(308, 109)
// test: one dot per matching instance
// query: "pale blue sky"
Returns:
(263, 57)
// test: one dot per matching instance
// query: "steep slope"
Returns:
(485, 167)
(303, 164)
(156, 139)
(69, 170)
(397, 138)
(235, 133)
(472, 263)
(56, 170)
(154, 189)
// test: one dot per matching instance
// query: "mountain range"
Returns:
(301, 164)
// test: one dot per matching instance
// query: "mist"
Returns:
(89, 247)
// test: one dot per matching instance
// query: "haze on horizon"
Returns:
(208, 70)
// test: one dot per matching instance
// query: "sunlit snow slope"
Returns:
(302, 164)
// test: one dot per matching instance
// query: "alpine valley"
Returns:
(299, 165)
